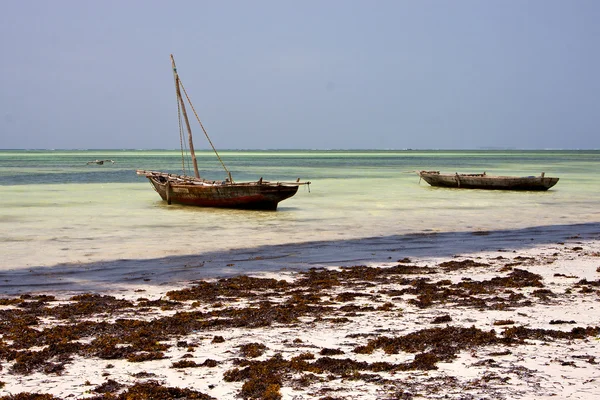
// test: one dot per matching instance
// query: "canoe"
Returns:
(488, 182)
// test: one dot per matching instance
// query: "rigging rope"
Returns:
(204, 130)
(182, 142)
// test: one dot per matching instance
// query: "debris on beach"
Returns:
(405, 330)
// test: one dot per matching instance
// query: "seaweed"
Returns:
(153, 390)
(263, 379)
(504, 322)
(441, 319)
(461, 265)
(252, 350)
(330, 352)
(93, 326)
(110, 386)
(443, 343)
(237, 287)
(29, 396)
(185, 364)
(522, 333)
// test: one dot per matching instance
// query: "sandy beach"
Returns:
(492, 321)
(254, 221)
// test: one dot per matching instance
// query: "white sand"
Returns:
(557, 369)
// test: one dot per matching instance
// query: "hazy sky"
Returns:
(304, 74)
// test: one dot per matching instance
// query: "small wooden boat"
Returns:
(99, 162)
(489, 182)
(181, 189)
(197, 191)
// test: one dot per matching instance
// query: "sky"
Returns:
(304, 74)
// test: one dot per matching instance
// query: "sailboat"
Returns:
(197, 191)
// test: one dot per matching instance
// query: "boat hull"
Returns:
(488, 182)
(195, 191)
(252, 195)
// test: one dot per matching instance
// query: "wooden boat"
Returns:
(99, 162)
(490, 182)
(197, 191)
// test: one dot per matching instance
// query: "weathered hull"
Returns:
(194, 191)
(252, 195)
(488, 182)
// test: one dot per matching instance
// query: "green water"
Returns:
(55, 208)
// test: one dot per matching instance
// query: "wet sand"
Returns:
(498, 315)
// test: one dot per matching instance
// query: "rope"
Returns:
(204, 130)
(181, 141)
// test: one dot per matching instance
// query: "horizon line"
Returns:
(305, 149)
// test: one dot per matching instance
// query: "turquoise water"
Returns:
(55, 209)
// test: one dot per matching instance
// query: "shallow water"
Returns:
(55, 209)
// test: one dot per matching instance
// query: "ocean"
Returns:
(55, 209)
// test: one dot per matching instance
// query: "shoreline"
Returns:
(497, 321)
(172, 271)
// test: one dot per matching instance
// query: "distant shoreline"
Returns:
(321, 150)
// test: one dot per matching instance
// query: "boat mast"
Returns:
(185, 117)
